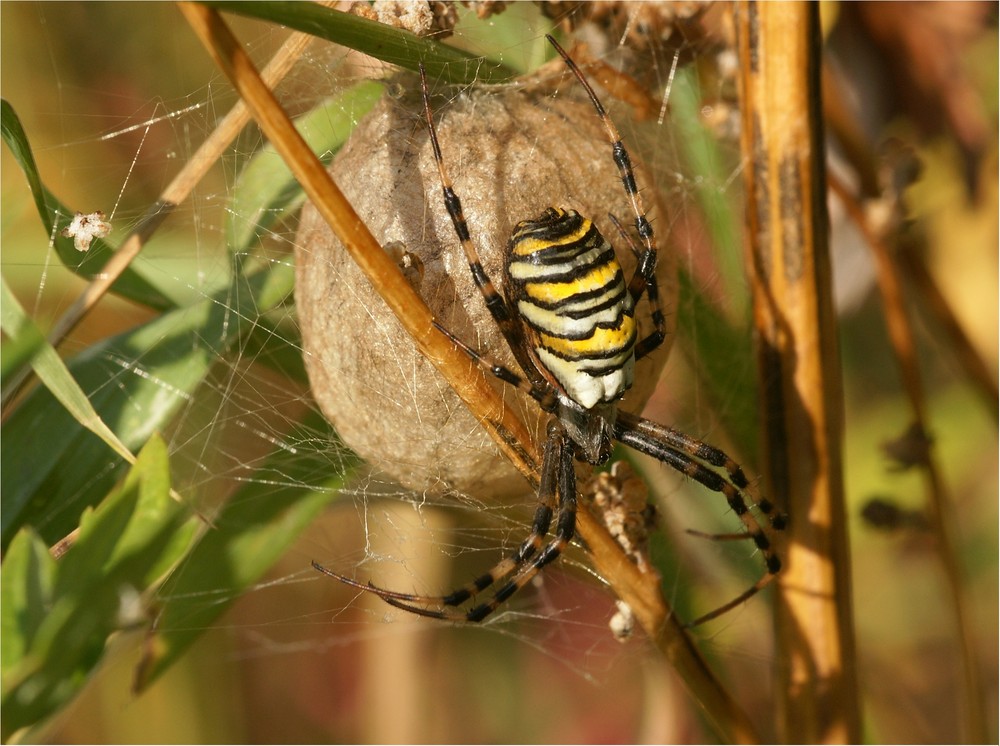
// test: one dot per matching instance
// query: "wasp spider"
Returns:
(568, 315)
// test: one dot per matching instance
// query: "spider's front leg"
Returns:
(644, 278)
(495, 303)
(712, 468)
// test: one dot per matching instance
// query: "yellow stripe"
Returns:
(556, 292)
(601, 341)
(528, 245)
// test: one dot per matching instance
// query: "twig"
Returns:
(934, 302)
(176, 192)
(904, 347)
(640, 591)
(782, 143)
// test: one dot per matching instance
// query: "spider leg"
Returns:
(565, 528)
(655, 338)
(644, 278)
(704, 453)
(557, 468)
(625, 236)
(729, 606)
(496, 304)
(543, 394)
(713, 469)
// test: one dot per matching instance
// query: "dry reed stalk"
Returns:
(801, 399)
(940, 510)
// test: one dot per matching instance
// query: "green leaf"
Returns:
(252, 532)
(388, 44)
(266, 192)
(27, 578)
(53, 373)
(136, 382)
(17, 352)
(124, 546)
(55, 216)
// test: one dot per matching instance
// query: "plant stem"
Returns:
(801, 398)
(939, 508)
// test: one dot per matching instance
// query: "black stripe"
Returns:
(454, 207)
(557, 251)
(591, 310)
(577, 298)
(574, 273)
(597, 372)
(551, 217)
(600, 355)
(549, 222)
(494, 301)
(620, 155)
(555, 254)
(582, 362)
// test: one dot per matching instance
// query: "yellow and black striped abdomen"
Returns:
(566, 283)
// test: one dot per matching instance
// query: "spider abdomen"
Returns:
(567, 286)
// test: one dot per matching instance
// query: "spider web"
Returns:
(108, 135)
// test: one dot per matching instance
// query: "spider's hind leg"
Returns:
(558, 477)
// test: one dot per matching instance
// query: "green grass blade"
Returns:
(388, 44)
(719, 352)
(17, 141)
(55, 216)
(255, 528)
(136, 382)
(16, 353)
(703, 156)
(54, 374)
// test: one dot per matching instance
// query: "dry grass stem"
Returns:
(640, 591)
(176, 192)
(975, 367)
(939, 509)
(858, 151)
(781, 138)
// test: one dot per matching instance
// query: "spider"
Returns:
(568, 316)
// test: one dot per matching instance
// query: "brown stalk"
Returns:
(782, 143)
(891, 262)
(940, 512)
(640, 591)
(934, 302)
(844, 126)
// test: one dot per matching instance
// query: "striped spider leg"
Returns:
(568, 317)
